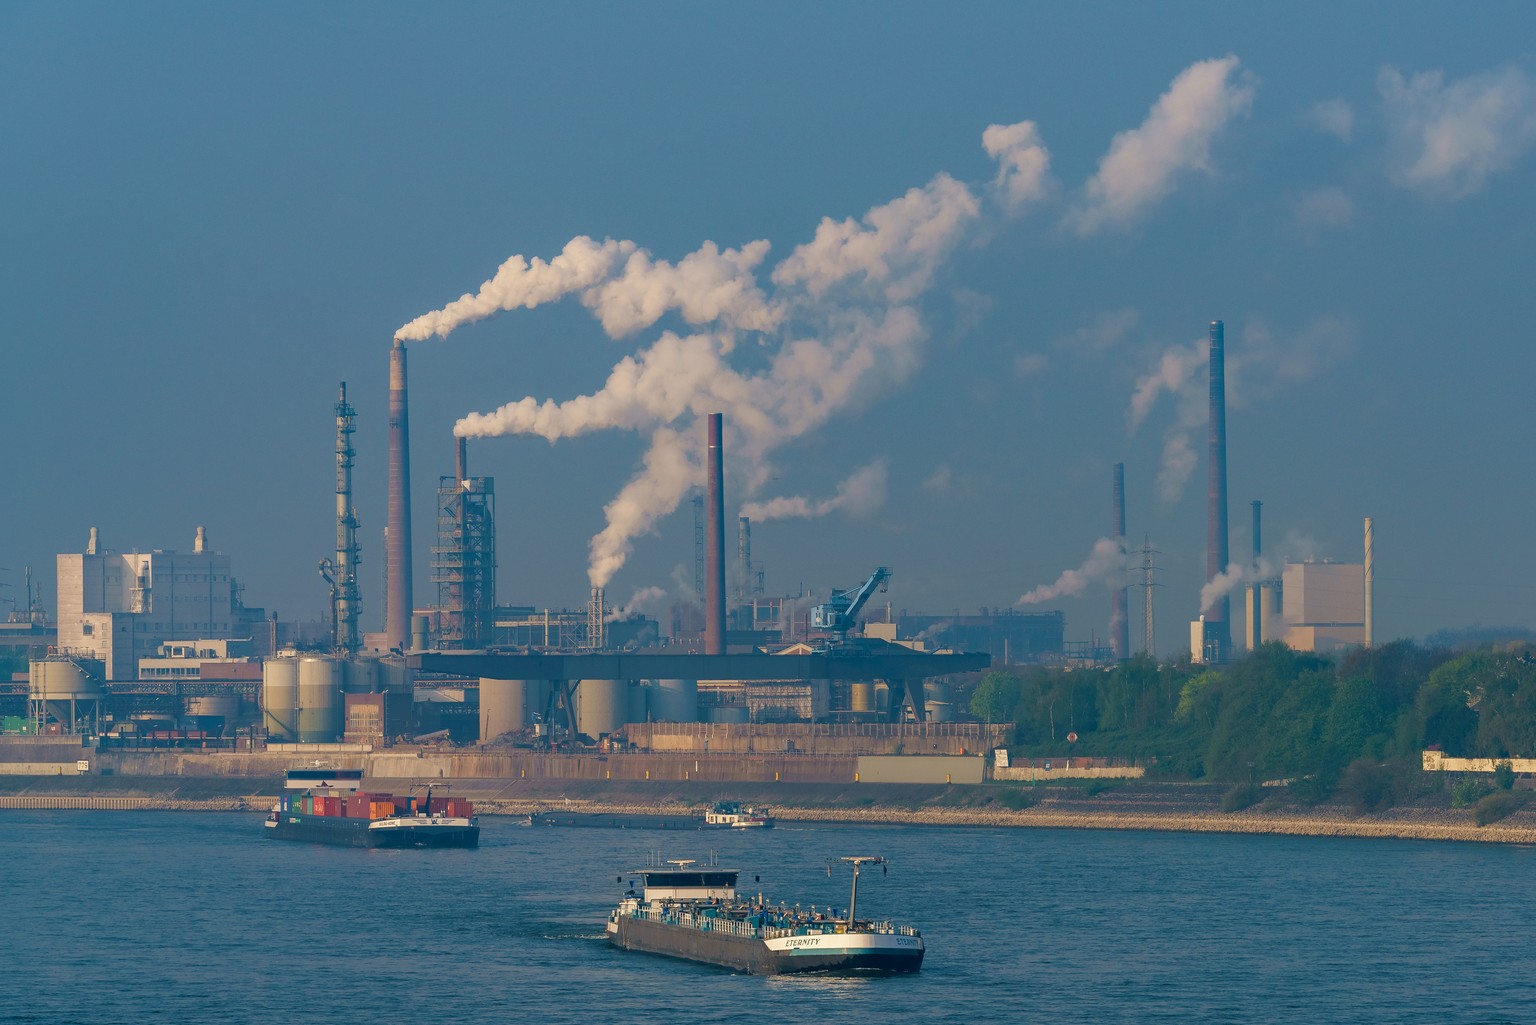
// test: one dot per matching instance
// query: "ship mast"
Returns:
(857, 862)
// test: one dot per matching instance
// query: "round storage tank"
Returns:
(507, 706)
(601, 706)
(861, 697)
(61, 680)
(939, 711)
(280, 698)
(214, 713)
(319, 713)
(395, 677)
(360, 676)
(675, 701)
(639, 703)
(732, 714)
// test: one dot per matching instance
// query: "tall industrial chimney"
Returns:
(1370, 579)
(1256, 588)
(1218, 615)
(714, 546)
(397, 628)
(1119, 626)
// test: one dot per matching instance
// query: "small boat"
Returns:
(735, 815)
(329, 806)
(692, 912)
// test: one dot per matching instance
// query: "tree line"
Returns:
(1360, 720)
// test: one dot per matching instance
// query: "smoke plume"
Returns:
(859, 496)
(1105, 563)
(836, 325)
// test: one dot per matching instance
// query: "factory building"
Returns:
(1324, 605)
(121, 607)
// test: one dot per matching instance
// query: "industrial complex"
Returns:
(155, 652)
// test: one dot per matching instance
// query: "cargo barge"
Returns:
(329, 806)
(722, 815)
(693, 913)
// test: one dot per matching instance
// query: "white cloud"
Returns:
(940, 480)
(1025, 162)
(1328, 207)
(1143, 163)
(1449, 137)
(1104, 331)
(1031, 364)
(1336, 117)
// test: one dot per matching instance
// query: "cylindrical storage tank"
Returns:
(419, 628)
(280, 698)
(675, 701)
(319, 715)
(61, 680)
(214, 713)
(360, 676)
(395, 677)
(882, 698)
(939, 711)
(507, 706)
(861, 697)
(639, 702)
(732, 714)
(601, 706)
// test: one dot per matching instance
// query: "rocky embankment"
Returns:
(1141, 806)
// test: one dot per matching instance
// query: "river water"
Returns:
(115, 917)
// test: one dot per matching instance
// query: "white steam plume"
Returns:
(1105, 563)
(642, 599)
(1234, 576)
(860, 495)
(838, 324)
(1451, 137)
(1142, 164)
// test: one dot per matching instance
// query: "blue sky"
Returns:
(934, 339)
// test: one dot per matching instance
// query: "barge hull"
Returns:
(750, 954)
(345, 832)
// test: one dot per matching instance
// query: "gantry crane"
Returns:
(839, 612)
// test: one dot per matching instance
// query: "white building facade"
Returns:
(121, 607)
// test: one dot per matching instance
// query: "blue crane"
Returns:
(838, 613)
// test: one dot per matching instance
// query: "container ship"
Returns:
(692, 912)
(329, 806)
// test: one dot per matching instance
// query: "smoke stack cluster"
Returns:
(1218, 616)
(714, 545)
(1119, 626)
(398, 591)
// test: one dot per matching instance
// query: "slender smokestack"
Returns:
(1370, 579)
(714, 546)
(1218, 615)
(397, 628)
(1119, 626)
(1256, 589)
(461, 464)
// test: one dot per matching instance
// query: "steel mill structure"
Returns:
(464, 558)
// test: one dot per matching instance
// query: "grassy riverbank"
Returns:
(1141, 806)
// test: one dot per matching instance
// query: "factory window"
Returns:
(88, 629)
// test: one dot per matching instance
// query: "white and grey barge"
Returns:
(693, 912)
